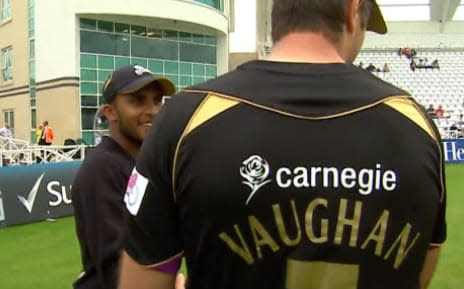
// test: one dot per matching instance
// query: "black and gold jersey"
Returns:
(290, 175)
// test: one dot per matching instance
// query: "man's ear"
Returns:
(108, 111)
(352, 14)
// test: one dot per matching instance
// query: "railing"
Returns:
(20, 152)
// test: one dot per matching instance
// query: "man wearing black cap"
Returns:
(299, 172)
(132, 97)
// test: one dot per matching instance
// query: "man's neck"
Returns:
(305, 47)
(129, 146)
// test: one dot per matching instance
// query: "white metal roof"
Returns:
(422, 10)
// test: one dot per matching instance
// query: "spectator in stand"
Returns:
(5, 131)
(455, 127)
(46, 137)
(422, 62)
(431, 111)
(406, 52)
(460, 120)
(456, 130)
(38, 133)
(440, 112)
(361, 65)
(22, 159)
(413, 65)
(371, 67)
(386, 68)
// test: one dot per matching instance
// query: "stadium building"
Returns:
(56, 54)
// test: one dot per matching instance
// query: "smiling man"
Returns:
(132, 98)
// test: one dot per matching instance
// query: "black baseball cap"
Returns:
(376, 21)
(131, 78)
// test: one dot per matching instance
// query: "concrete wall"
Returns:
(22, 114)
(14, 94)
(59, 103)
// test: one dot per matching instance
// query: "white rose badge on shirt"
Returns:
(255, 171)
(135, 191)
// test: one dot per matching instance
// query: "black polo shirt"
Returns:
(290, 175)
(97, 195)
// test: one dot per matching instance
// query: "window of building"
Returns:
(8, 117)
(218, 4)
(6, 9)
(186, 58)
(7, 74)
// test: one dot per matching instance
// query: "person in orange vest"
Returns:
(47, 135)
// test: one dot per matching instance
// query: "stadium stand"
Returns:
(443, 86)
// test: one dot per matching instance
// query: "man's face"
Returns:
(135, 112)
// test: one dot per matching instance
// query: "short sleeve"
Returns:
(153, 229)
(439, 233)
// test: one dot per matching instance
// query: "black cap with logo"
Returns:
(131, 78)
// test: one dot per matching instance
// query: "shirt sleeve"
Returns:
(153, 227)
(439, 233)
(440, 229)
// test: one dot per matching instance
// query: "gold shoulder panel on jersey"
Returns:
(211, 106)
(407, 107)
(291, 114)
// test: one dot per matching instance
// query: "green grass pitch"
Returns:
(46, 255)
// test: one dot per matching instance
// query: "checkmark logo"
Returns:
(29, 202)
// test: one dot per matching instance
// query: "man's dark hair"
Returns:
(325, 16)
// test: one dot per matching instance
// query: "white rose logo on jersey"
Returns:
(255, 171)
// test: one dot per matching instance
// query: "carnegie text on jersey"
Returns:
(364, 180)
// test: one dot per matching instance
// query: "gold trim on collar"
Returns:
(335, 115)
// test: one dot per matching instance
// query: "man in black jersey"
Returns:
(302, 171)
(132, 97)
